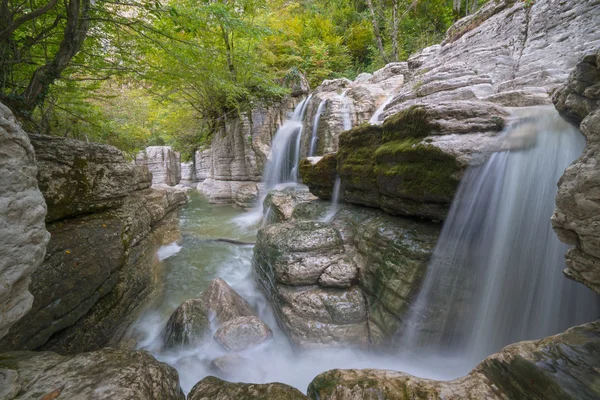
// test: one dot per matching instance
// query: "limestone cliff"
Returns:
(100, 265)
(23, 236)
(577, 209)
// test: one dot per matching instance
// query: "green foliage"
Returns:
(153, 73)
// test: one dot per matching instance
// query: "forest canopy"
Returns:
(134, 73)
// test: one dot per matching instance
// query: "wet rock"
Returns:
(228, 364)
(217, 389)
(558, 367)
(104, 374)
(224, 303)
(187, 325)
(319, 174)
(79, 178)
(279, 204)
(242, 333)
(23, 236)
(303, 269)
(247, 195)
(98, 271)
(576, 216)
(163, 162)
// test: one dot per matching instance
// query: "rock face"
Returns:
(163, 162)
(242, 333)
(344, 283)
(187, 325)
(575, 219)
(99, 267)
(449, 111)
(239, 151)
(104, 374)
(348, 103)
(188, 174)
(217, 389)
(555, 368)
(23, 236)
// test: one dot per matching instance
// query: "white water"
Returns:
(168, 250)
(283, 161)
(346, 105)
(496, 274)
(315, 129)
(335, 201)
(374, 120)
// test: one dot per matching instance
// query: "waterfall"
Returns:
(496, 274)
(374, 120)
(346, 120)
(285, 150)
(314, 137)
(335, 201)
(283, 162)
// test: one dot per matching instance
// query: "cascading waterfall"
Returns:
(374, 120)
(335, 201)
(496, 274)
(315, 130)
(285, 150)
(346, 120)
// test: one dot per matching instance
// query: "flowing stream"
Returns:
(495, 277)
(314, 138)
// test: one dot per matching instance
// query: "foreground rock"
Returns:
(279, 205)
(100, 267)
(576, 218)
(344, 283)
(216, 389)
(224, 303)
(105, 374)
(242, 333)
(187, 325)
(23, 236)
(163, 163)
(555, 368)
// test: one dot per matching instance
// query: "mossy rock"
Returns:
(320, 176)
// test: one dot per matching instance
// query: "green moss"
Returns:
(411, 122)
(321, 173)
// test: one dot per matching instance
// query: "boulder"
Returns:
(216, 389)
(163, 162)
(224, 303)
(575, 219)
(242, 333)
(228, 364)
(279, 204)
(105, 374)
(303, 269)
(187, 325)
(23, 236)
(558, 367)
(80, 178)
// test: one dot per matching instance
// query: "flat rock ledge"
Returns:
(560, 367)
(104, 374)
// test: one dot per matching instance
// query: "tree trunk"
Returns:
(75, 33)
(376, 30)
(395, 23)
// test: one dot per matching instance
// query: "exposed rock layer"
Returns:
(555, 368)
(23, 236)
(576, 217)
(163, 163)
(101, 266)
(105, 374)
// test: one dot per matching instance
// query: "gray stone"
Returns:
(224, 303)
(105, 374)
(23, 236)
(188, 174)
(216, 389)
(228, 364)
(280, 204)
(79, 178)
(187, 325)
(558, 367)
(576, 218)
(163, 162)
(242, 333)
(202, 163)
